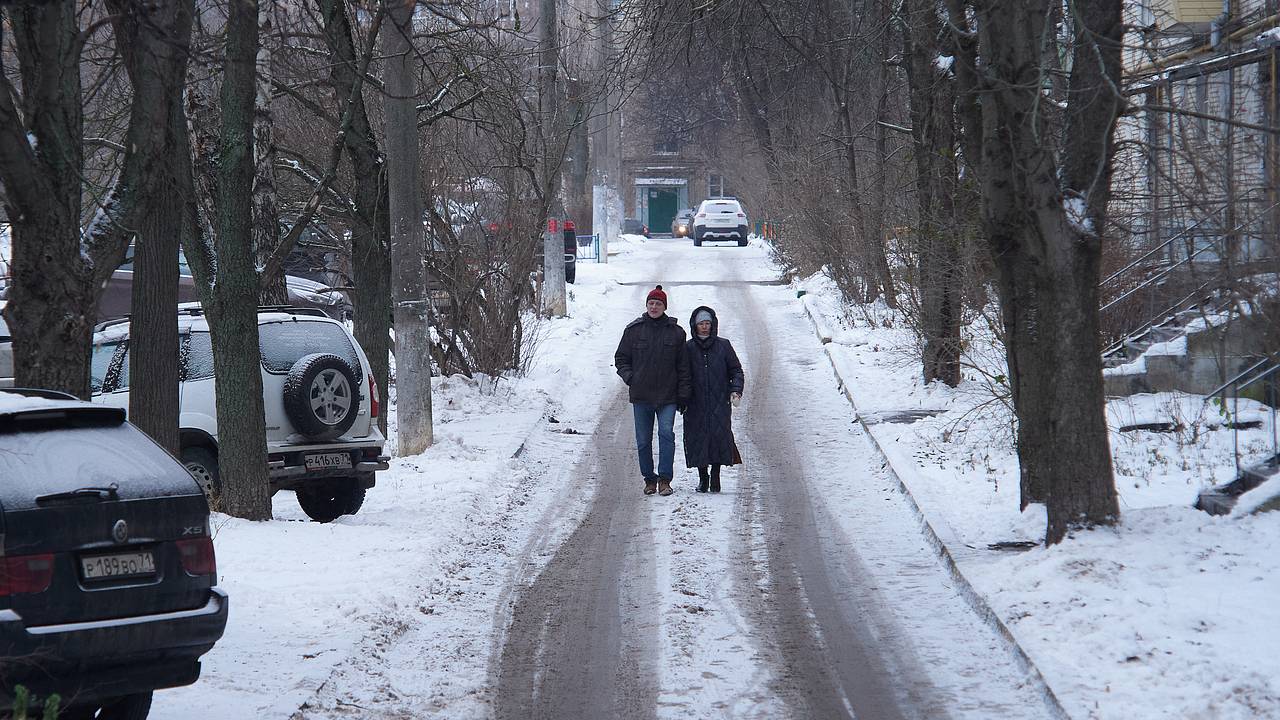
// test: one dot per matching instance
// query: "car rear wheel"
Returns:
(321, 396)
(202, 463)
(129, 707)
(327, 501)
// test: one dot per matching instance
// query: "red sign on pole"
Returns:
(553, 225)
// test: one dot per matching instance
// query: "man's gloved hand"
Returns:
(735, 399)
(681, 407)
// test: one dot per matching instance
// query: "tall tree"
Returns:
(58, 268)
(371, 233)
(154, 42)
(1045, 186)
(938, 231)
(229, 281)
(266, 212)
(408, 246)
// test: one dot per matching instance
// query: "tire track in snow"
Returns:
(580, 643)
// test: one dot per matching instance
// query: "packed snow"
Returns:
(1171, 613)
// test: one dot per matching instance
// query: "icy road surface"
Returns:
(803, 590)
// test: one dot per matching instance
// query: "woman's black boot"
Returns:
(702, 479)
(715, 478)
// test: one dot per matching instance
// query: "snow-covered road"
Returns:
(475, 584)
(765, 601)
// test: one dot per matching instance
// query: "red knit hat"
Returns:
(657, 294)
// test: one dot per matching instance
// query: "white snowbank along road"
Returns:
(515, 569)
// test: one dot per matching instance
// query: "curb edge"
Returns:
(975, 599)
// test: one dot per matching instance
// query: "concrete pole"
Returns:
(554, 303)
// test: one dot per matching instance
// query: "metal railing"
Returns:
(1265, 371)
(1187, 301)
(590, 244)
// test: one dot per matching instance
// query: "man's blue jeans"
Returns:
(666, 415)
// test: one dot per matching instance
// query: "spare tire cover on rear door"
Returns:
(321, 396)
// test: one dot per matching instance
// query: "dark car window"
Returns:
(183, 267)
(44, 461)
(284, 343)
(197, 359)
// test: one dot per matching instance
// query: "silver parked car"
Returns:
(319, 397)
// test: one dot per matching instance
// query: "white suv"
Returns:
(319, 395)
(720, 219)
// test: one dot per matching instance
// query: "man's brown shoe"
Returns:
(650, 487)
(664, 487)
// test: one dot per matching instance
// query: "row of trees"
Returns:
(412, 132)
(924, 152)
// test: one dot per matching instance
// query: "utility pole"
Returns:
(553, 290)
(606, 149)
(408, 241)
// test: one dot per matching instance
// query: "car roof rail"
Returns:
(40, 393)
(293, 310)
(108, 323)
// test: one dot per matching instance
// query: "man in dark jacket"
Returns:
(650, 359)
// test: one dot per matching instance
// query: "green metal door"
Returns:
(662, 209)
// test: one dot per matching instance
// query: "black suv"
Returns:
(107, 572)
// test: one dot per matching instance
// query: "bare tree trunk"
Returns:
(154, 42)
(51, 310)
(408, 246)
(553, 290)
(932, 101)
(371, 235)
(233, 321)
(1047, 258)
(266, 213)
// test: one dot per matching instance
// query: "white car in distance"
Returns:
(720, 219)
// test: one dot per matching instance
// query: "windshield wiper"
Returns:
(110, 492)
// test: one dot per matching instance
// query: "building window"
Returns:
(1202, 106)
(715, 186)
(668, 145)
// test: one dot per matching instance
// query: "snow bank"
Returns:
(1170, 613)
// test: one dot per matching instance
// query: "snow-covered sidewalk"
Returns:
(1170, 614)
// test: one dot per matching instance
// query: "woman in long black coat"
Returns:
(717, 381)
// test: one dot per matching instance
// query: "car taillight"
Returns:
(25, 574)
(197, 556)
(741, 215)
(569, 226)
(701, 215)
(375, 403)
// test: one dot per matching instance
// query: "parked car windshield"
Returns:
(285, 343)
(44, 461)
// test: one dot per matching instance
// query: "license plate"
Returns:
(328, 461)
(98, 567)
